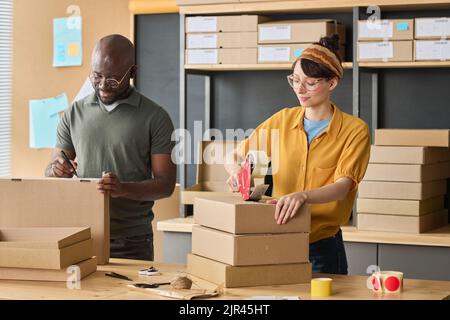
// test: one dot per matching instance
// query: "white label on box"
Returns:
(433, 27)
(432, 50)
(376, 29)
(274, 54)
(201, 41)
(201, 24)
(376, 50)
(202, 56)
(275, 33)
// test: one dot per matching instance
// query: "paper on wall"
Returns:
(274, 54)
(201, 24)
(67, 42)
(275, 33)
(376, 50)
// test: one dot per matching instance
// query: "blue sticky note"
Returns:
(67, 42)
(298, 52)
(402, 26)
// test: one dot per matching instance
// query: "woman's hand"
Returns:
(233, 182)
(288, 205)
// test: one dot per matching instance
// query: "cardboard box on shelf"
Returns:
(385, 51)
(400, 207)
(234, 215)
(247, 250)
(221, 56)
(432, 50)
(413, 137)
(408, 155)
(196, 2)
(299, 31)
(248, 276)
(404, 224)
(407, 172)
(393, 29)
(57, 203)
(402, 190)
(285, 53)
(241, 23)
(432, 28)
(222, 40)
(85, 268)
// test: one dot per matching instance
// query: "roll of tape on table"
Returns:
(387, 281)
(321, 287)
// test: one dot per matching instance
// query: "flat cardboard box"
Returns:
(400, 207)
(408, 155)
(221, 40)
(402, 190)
(432, 28)
(407, 172)
(197, 2)
(57, 203)
(248, 276)
(247, 250)
(240, 23)
(16, 257)
(211, 174)
(432, 50)
(234, 215)
(413, 137)
(386, 29)
(299, 31)
(221, 56)
(403, 224)
(385, 51)
(285, 53)
(86, 268)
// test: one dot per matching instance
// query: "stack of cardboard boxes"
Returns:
(432, 42)
(239, 243)
(222, 39)
(404, 188)
(44, 254)
(284, 41)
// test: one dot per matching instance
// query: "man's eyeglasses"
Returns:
(309, 85)
(112, 83)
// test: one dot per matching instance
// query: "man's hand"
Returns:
(288, 205)
(110, 182)
(61, 169)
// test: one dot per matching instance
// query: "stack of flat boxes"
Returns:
(432, 39)
(284, 41)
(238, 244)
(222, 39)
(404, 188)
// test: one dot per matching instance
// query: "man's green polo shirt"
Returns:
(121, 141)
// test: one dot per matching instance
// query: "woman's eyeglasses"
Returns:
(309, 85)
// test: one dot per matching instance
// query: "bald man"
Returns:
(120, 136)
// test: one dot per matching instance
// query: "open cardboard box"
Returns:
(57, 203)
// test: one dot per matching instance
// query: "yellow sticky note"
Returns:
(73, 49)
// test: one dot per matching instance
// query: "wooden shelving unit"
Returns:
(414, 64)
(248, 67)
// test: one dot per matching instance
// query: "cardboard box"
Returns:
(86, 268)
(413, 137)
(196, 2)
(432, 28)
(57, 203)
(385, 51)
(221, 56)
(299, 31)
(407, 172)
(408, 155)
(394, 29)
(234, 215)
(404, 224)
(247, 250)
(241, 23)
(211, 174)
(221, 40)
(248, 276)
(432, 50)
(285, 53)
(400, 207)
(402, 190)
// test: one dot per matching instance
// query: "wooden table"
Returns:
(98, 286)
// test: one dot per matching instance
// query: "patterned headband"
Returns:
(324, 56)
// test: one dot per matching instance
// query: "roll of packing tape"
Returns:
(321, 287)
(387, 281)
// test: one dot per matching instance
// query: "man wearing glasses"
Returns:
(124, 138)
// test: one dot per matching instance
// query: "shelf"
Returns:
(247, 67)
(331, 6)
(414, 64)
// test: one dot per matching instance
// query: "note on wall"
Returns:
(44, 120)
(67, 42)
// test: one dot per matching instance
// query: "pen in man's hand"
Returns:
(66, 158)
